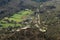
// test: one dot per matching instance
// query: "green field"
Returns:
(17, 17)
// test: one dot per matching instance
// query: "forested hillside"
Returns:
(29, 19)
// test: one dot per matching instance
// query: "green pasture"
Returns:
(17, 17)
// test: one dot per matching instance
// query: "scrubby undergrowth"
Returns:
(28, 34)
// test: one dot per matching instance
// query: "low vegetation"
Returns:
(15, 19)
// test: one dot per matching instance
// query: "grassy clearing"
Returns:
(17, 17)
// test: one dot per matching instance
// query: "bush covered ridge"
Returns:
(27, 34)
(34, 18)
